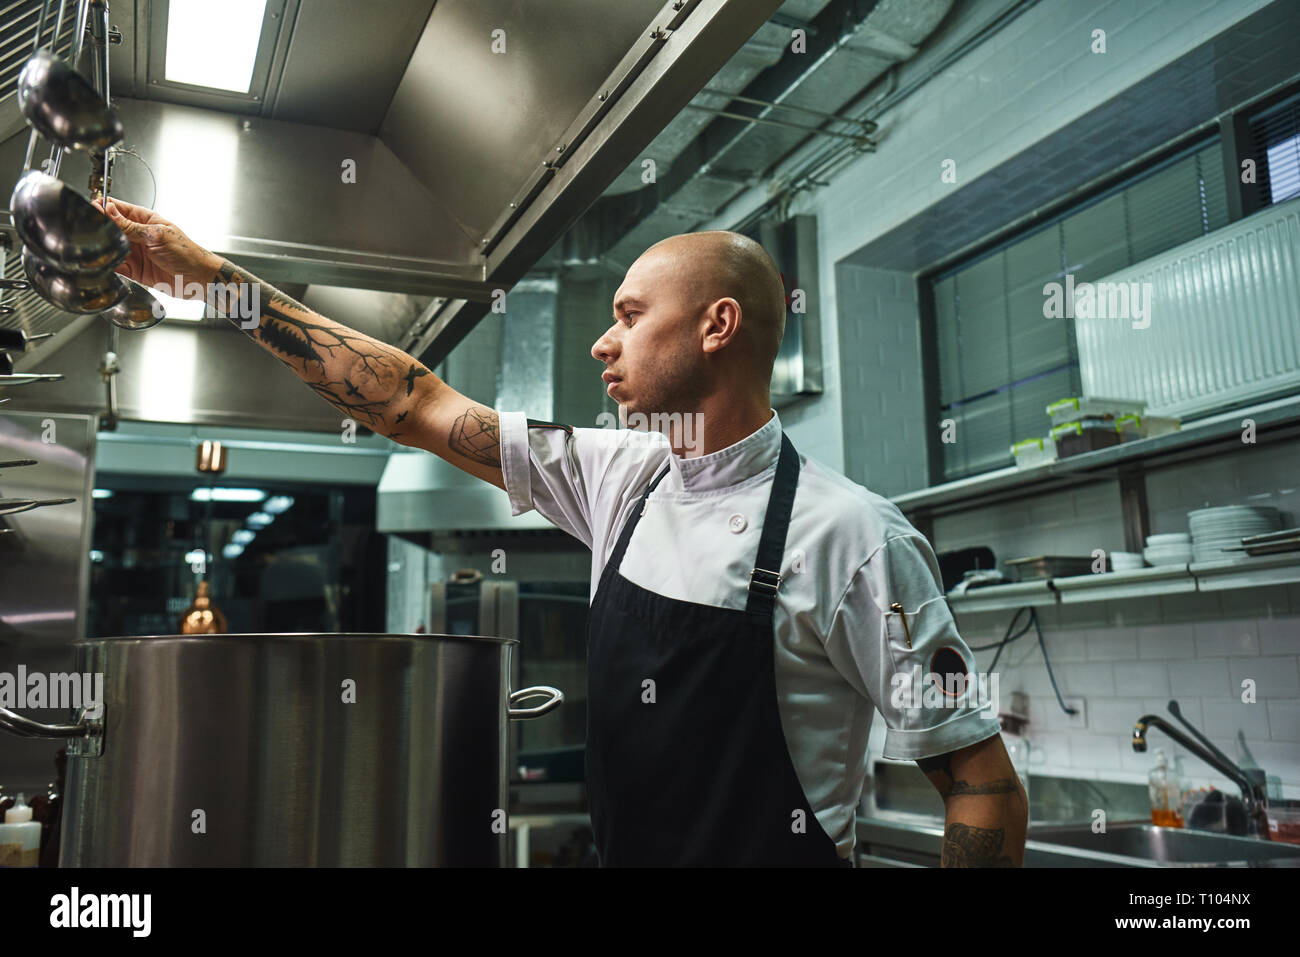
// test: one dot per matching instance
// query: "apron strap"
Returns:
(765, 578)
(616, 558)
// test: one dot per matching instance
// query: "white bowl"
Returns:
(1170, 538)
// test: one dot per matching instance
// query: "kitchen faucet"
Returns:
(1252, 794)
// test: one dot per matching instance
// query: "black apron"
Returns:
(687, 764)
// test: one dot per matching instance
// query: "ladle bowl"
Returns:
(63, 228)
(82, 293)
(138, 309)
(63, 106)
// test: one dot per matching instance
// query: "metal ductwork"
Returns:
(706, 159)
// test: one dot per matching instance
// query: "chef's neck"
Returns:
(720, 421)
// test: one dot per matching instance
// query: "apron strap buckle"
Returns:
(756, 582)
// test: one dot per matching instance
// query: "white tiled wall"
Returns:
(1130, 657)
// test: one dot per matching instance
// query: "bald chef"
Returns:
(750, 607)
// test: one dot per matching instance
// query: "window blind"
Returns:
(1275, 136)
(1001, 361)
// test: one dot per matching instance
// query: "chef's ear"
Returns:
(721, 324)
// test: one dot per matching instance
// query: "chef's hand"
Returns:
(161, 255)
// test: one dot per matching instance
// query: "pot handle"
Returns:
(555, 695)
(27, 728)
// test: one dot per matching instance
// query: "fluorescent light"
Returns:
(101, 493)
(259, 520)
(232, 551)
(277, 504)
(96, 555)
(227, 495)
(195, 555)
(243, 536)
(213, 44)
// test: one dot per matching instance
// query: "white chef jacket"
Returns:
(849, 555)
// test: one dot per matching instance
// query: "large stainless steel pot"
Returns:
(239, 750)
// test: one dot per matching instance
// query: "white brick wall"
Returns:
(1127, 658)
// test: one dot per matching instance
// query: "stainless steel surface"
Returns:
(903, 840)
(204, 373)
(554, 698)
(13, 506)
(527, 370)
(139, 309)
(63, 107)
(25, 727)
(1168, 845)
(63, 228)
(798, 367)
(73, 292)
(469, 133)
(44, 559)
(253, 731)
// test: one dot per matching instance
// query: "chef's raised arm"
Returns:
(375, 384)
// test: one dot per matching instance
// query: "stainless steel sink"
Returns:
(893, 839)
(1170, 846)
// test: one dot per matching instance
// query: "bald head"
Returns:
(718, 264)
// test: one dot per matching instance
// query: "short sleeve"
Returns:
(561, 471)
(915, 667)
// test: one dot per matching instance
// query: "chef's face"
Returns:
(653, 355)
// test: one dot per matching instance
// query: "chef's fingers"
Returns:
(136, 232)
(137, 214)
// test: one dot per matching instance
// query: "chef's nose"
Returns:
(605, 348)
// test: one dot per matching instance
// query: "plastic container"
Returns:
(20, 837)
(1031, 452)
(1146, 426)
(1284, 824)
(1085, 435)
(1165, 793)
(1083, 407)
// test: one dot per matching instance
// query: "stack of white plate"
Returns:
(1173, 548)
(1125, 561)
(1215, 528)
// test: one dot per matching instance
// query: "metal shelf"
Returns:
(1255, 572)
(1275, 420)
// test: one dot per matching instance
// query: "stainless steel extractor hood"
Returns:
(507, 122)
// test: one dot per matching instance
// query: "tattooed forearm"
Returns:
(967, 846)
(363, 378)
(476, 436)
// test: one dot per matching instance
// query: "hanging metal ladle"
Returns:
(63, 107)
(138, 309)
(82, 293)
(63, 228)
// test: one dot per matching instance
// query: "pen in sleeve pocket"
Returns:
(898, 609)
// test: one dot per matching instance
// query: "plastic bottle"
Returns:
(1165, 793)
(20, 837)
